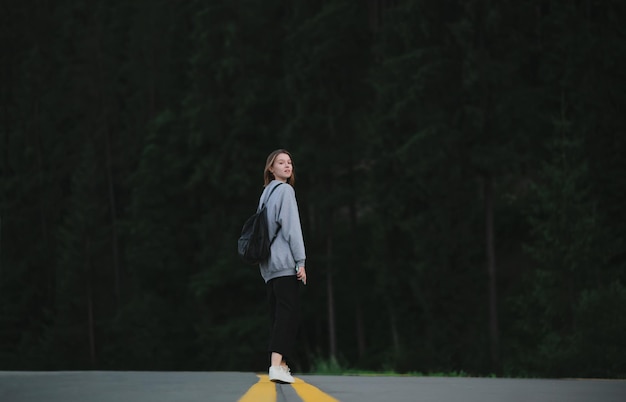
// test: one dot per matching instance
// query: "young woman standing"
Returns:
(285, 267)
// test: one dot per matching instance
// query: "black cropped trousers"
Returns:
(284, 307)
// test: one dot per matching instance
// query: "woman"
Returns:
(285, 267)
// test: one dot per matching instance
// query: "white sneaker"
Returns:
(281, 375)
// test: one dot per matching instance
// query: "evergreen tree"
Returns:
(74, 338)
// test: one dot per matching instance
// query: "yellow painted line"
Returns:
(262, 391)
(309, 393)
(265, 391)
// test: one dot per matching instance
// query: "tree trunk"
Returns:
(395, 337)
(358, 309)
(103, 121)
(90, 315)
(494, 340)
(332, 338)
(50, 271)
(114, 239)
(360, 330)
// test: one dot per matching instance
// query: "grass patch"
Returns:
(333, 366)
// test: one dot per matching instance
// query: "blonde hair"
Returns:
(269, 176)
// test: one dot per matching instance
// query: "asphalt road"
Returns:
(125, 386)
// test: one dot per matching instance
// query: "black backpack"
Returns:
(254, 242)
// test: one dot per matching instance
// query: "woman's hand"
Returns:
(301, 274)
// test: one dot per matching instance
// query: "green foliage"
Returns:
(569, 249)
(329, 366)
(598, 338)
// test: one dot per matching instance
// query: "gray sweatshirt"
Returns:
(287, 251)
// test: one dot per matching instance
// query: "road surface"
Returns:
(129, 386)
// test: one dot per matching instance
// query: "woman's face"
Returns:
(282, 168)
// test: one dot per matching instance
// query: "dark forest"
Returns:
(460, 168)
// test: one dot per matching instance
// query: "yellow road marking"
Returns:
(265, 391)
(262, 391)
(309, 393)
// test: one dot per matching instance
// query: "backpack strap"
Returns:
(262, 205)
(270, 194)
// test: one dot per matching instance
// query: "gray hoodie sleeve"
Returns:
(289, 219)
